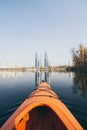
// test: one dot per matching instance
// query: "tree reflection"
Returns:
(80, 83)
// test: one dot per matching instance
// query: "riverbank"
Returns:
(77, 69)
(42, 69)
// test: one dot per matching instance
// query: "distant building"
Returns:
(46, 59)
(38, 62)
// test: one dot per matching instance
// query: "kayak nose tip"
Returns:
(43, 81)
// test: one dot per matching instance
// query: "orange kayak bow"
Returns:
(42, 110)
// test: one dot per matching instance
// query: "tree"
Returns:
(79, 56)
(75, 57)
(85, 55)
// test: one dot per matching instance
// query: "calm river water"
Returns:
(71, 88)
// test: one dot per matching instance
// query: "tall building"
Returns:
(46, 60)
(38, 63)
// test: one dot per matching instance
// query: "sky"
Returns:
(29, 26)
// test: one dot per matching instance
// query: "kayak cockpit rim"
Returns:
(43, 115)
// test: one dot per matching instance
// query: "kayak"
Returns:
(42, 110)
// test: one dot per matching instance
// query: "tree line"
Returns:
(79, 56)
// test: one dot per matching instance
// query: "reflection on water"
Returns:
(39, 77)
(47, 77)
(9, 74)
(80, 83)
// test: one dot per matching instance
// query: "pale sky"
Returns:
(28, 26)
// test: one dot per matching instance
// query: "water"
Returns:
(70, 87)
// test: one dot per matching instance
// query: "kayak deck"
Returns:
(42, 110)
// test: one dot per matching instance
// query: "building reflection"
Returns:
(39, 77)
(80, 83)
(47, 77)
